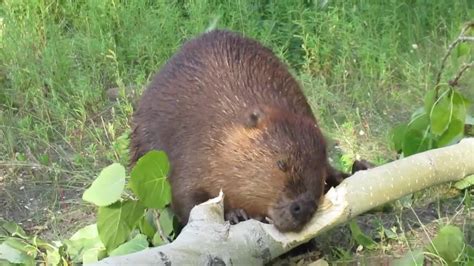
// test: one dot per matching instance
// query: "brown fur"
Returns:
(230, 116)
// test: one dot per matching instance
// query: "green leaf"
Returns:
(116, 222)
(138, 243)
(14, 229)
(44, 159)
(455, 130)
(465, 182)
(157, 239)
(168, 227)
(397, 134)
(14, 255)
(467, 199)
(85, 245)
(454, 134)
(460, 105)
(149, 180)
(22, 245)
(21, 157)
(390, 233)
(147, 225)
(429, 100)
(107, 187)
(92, 255)
(417, 137)
(418, 112)
(448, 244)
(470, 254)
(360, 237)
(53, 257)
(414, 257)
(462, 49)
(39, 243)
(441, 114)
(89, 231)
(166, 221)
(85, 249)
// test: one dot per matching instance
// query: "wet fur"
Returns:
(229, 115)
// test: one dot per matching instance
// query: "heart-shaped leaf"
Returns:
(417, 137)
(116, 222)
(441, 114)
(149, 179)
(448, 244)
(166, 221)
(138, 243)
(397, 134)
(147, 224)
(454, 133)
(85, 245)
(429, 100)
(465, 182)
(460, 106)
(14, 255)
(107, 187)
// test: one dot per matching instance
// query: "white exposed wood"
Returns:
(208, 240)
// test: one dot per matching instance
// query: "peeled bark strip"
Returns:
(208, 240)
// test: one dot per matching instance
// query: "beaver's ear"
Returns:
(254, 117)
(282, 165)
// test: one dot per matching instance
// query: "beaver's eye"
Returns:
(282, 165)
(254, 118)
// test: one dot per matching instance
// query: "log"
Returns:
(208, 240)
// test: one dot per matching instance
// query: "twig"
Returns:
(454, 82)
(466, 39)
(459, 39)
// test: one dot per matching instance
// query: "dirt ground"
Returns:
(26, 203)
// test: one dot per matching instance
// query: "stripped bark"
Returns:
(208, 240)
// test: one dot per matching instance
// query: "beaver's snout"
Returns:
(302, 210)
(293, 214)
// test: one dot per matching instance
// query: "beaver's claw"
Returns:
(236, 215)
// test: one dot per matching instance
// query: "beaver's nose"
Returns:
(302, 209)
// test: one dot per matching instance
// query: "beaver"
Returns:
(230, 116)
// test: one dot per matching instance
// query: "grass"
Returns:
(364, 66)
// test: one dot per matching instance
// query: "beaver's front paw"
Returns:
(235, 216)
(360, 165)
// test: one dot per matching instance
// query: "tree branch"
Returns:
(454, 82)
(461, 38)
(207, 239)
